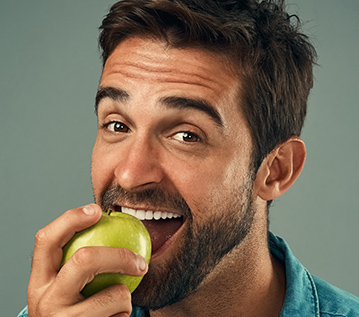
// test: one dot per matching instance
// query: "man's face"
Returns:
(172, 140)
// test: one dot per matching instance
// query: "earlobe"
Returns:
(280, 169)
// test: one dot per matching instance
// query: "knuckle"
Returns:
(126, 255)
(41, 236)
(123, 253)
(44, 309)
(117, 296)
(122, 293)
(45, 306)
(83, 256)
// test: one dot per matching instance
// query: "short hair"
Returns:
(264, 44)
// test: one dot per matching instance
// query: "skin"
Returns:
(153, 151)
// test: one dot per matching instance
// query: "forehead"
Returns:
(189, 70)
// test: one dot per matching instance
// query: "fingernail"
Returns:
(141, 262)
(89, 210)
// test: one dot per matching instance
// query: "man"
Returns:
(200, 108)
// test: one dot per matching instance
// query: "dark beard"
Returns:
(203, 247)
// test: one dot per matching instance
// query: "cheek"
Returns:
(201, 185)
(213, 186)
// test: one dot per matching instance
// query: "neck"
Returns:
(250, 285)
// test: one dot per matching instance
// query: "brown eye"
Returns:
(117, 126)
(186, 136)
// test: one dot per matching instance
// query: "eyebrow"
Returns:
(197, 104)
(202, 105)
(113, 93)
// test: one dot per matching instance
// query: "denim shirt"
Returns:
(306, 295)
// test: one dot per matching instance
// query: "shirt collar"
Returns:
(301, 297)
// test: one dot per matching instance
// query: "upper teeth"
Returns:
(149, 214)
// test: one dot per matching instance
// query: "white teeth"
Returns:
(157, 215)
(140, 214)
(129, 211)
(149, 214)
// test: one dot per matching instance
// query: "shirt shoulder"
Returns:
(23, 313)
(308, 295)
(334, 301)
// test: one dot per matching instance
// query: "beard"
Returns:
(201, 247)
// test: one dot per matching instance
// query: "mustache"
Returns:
(156, 198)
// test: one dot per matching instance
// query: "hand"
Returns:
(55, 290)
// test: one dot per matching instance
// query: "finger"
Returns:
(87, 262)
(50, 240)
(114, 300)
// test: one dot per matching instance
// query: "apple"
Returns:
(114, 229)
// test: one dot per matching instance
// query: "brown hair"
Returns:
(272, 57)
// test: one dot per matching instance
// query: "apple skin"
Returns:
(115, 229)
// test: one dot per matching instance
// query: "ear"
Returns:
(280, 169)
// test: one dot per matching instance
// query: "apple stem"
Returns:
(109, 212)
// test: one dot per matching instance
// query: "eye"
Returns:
(116, 126)
(186, 136)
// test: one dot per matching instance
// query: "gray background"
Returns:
(49, 70)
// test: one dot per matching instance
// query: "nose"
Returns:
(139, 165)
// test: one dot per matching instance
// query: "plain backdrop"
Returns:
(49, 71)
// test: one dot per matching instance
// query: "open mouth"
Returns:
(161, 225)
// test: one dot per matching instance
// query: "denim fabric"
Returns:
(306, 295)
(23, 313)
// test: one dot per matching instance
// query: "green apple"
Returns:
(114, 229)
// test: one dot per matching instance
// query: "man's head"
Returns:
(261, 42)
(193, 96)
(171, 141)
